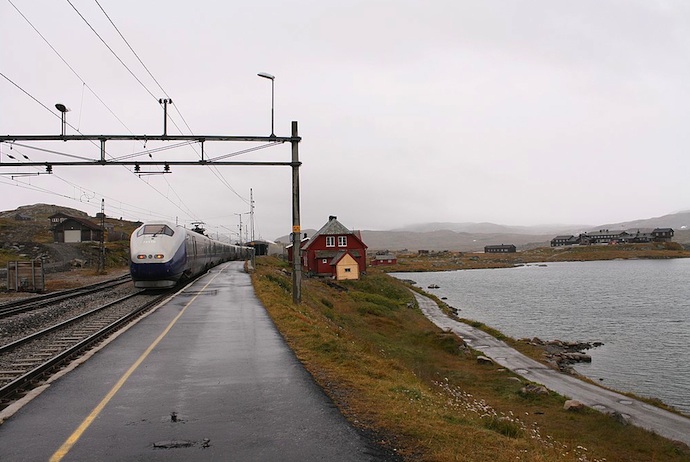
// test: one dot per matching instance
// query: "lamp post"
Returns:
(272, 79)
(63, 110)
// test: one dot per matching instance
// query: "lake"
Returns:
(639, 309)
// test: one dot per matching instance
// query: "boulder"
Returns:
(485, 360)
(534, 389)
(573, 405)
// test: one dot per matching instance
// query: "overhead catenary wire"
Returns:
(213, 169)
(112, 51)
(69, 67)
(187, 211)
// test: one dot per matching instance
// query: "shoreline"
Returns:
(626, 409)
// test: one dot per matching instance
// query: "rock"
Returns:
(534, 389)
(485, 360)
(577, 357)
(573, 405)
(623, 419)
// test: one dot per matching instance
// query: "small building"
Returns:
(346, 267)
(662, 234)
(74, 230)
(325, 252)
(503, 248)
(559, 241)
(605, 236)
(384, 259)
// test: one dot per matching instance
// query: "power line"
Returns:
(30, 95)
(213, 169)
(69, 66)
(131, 49)
(112, 51)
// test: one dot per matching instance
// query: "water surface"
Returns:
(639, 309)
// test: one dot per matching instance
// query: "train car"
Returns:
(163, 254)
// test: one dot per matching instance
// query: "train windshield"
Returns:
(155, 230)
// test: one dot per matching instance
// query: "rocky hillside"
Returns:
(25, 233)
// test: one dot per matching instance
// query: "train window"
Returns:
(156, 229)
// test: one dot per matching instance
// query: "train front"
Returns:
(157, 255)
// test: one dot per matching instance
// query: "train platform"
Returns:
(206, 376)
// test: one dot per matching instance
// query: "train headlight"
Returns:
(159, 256)
(141, 257)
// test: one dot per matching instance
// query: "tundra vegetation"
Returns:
(420, 392)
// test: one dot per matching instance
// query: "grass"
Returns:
(421, 392)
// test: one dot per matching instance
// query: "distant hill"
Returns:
(492, 228)
(678, 221)
(472, 237)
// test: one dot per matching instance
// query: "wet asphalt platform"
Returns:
(204, 377)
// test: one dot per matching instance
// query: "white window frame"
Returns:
(342, 241)
(330, 241)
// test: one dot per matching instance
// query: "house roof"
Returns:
(332, 228)
(564, 237)
(663, 230)
(82, 221)
(339, 256)
(334, 253)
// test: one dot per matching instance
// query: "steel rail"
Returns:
(17, 385)
(11, 346)
(28, 304)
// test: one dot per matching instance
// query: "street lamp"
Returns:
(63, 110)
(272, 79)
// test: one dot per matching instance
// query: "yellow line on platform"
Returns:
(74, 437)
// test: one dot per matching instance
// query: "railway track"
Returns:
(28, 304)
(28, 360)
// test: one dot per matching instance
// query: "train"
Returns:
(163, 254)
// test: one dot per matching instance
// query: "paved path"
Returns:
(205, 377)
(636, 412)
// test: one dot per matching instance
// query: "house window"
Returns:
(330, 241)
(342, 241)
(347, 270)
(324, 261)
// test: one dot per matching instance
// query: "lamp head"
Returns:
(266, 75)
(61, 107)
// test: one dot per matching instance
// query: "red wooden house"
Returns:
(333, 251)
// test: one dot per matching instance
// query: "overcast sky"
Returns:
(512, 112)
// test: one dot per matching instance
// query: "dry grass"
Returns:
(393, 373)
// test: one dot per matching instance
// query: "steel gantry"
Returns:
(294, 163)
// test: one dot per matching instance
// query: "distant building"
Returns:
(605, 236)
(663, 234)
(564, 240)
(74, 230)
(503, 248)
(333, 251)
(384, 259)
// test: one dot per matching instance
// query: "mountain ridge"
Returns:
(472, 237)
